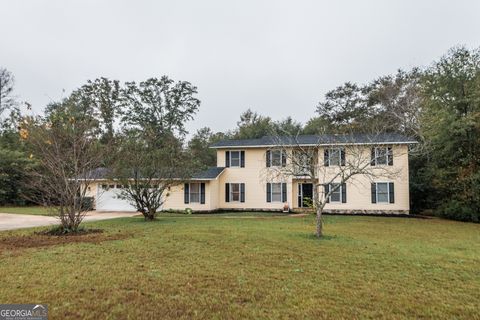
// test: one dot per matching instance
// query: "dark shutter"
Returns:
(300, 196)
(284, 158)
(325, 157)
(227, 159)
(242, 159)
(344, 193)
(342, 156)
(391, 192)
(186, 193)
(284, 192)
(267, 157)
(327, 190)
(269, 192)
(390, 156)
(202, 193)
(372, 157)
(227, 192)
(374, 193)
(242, 192)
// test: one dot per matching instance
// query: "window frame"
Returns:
(231, 192)
(280, 158)
(339, 150)
(239, 152)
(194, 193)
(279, 193)
(385, 156)
(377, 193)
(339, 191)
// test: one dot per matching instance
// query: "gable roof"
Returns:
(316, 140)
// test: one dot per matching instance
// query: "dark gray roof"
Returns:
(325, 139)
(210, 173)
(207, 174)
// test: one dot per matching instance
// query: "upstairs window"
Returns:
(382, 156)
(235, 159)
(334, 157)
(276, 158)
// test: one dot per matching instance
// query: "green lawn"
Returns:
(230, 267)
(36, 210)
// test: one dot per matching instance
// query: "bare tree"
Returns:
(329, 161)
(66, 150)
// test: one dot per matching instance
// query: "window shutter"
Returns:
(202, 193)
(227, 192)
(284, 158)
(325, 157)
(327, 190)
(269, 192)
(372, 158)
(344, 193)
(300, 204)
(390, 156)
(391, 192)
(374, 193)
(186, 193)
(227, 159)
(242, 159)
(284, 192)
(242, 192)
(342, 156)
(267, 157)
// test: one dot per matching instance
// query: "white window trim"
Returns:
(281, 157)
(386, 156)
(190, 192)
(230, 195)
(388, 192)
(340, 189)
(281, 191)
(239, 159)
(339, 157)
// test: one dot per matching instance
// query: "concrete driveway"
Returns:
(9, 221)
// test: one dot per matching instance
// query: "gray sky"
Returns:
(276, 57)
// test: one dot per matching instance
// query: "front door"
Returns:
(305, 195)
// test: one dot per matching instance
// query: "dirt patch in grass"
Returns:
(42, 239)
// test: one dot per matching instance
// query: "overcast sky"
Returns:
(276, 57)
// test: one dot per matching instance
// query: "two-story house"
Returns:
(243, 178)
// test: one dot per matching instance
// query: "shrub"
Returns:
(460, 211)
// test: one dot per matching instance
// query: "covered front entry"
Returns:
(305, 195)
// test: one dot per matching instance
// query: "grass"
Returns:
(264, 267)
(35, 210)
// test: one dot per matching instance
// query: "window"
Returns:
(234, 192)
(276, 192)
(336, 195)
(338, 192)
(334, 157)
(303, 163)
(382, 156)
(234, 158)
(104, 186)
(194, 192)
(382, 192)
(276, 158)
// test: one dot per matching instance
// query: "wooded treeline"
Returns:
(438, 105)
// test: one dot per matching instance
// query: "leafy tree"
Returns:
(287, 126)
(151, 157)
(199, 146)
(450, 122)
(252, 125)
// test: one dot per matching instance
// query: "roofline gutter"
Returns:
(313, 145)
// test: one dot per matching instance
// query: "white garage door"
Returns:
(108, 200)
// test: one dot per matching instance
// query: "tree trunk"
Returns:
(319, 229)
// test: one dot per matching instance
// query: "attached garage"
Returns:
(107, 199)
